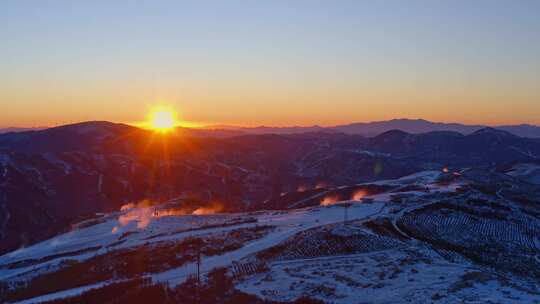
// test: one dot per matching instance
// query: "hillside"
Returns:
(407, 241)
(72, 172)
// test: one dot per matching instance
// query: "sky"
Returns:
(276, 62)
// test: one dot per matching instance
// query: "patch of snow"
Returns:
(54, 159)
(389, 276)
(526, 171)
(288, 224)
(422, 177)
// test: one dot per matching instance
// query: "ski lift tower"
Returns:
(198, 244)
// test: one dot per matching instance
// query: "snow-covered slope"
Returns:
(529, 172)
(428, 237)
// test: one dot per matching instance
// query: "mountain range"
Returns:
(51, 178)
(378, 127)
(373, 128)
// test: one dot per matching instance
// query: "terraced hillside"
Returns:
(500, 238)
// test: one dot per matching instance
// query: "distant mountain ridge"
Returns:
(415, 126)
(368, 129)
(14, 129)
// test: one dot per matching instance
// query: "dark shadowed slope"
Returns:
(415, 126)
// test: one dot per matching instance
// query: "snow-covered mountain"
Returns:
(99, 207)
(432, 236)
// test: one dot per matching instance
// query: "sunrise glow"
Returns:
(162, 119)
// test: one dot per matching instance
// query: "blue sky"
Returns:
(270, 62)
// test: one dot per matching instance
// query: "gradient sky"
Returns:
(270, 62)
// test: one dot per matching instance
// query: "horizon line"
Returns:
(224, 126)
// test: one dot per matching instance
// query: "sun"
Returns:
(162, 119)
